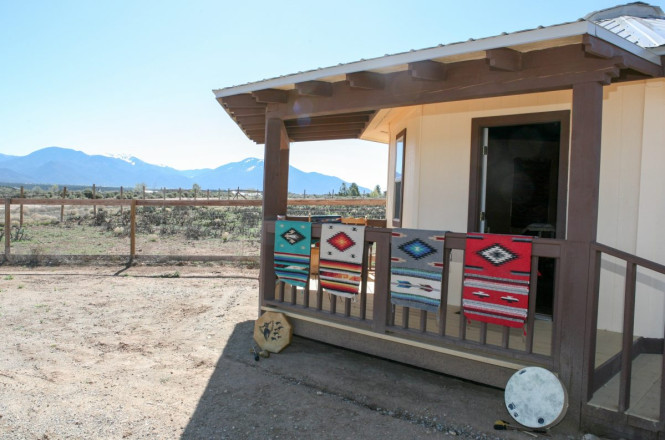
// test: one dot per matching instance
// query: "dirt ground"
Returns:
(162, 352)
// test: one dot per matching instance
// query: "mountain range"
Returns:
(63, 166)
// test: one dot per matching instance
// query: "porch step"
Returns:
(644, 392)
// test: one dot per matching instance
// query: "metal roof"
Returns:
(633, 34)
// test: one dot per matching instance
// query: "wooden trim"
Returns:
(477, 124)
(397, 219)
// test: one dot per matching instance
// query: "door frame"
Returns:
(475, 175)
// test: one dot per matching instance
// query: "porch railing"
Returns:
(373, 311)
(631, 346)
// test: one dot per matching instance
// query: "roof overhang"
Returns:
(338, 102)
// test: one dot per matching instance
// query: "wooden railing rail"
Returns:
(383, 313)
(628, 346)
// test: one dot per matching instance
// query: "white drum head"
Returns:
(536, 398)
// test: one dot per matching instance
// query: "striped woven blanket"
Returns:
(292, 251)
(416, 268)
(497, 270)
(340, 264)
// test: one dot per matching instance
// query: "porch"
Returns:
(485, 353)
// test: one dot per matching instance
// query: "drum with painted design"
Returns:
(536, 398)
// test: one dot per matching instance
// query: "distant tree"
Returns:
(354, 191)
(376, 192)
(343, 190)
(196, 187)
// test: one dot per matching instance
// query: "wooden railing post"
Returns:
(62, 207)
(627, 343)
(132, 231)
(8, 228)
(381, 286)
(122, 207)
(94, 196)
(20, 221)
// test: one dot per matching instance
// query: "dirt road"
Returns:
(156, 352)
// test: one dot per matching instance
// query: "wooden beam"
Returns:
(329, 137)
(504, 59)
(329, 120)
(248, 120)
(347, 134)
(271, 96)
(275, 177)
(326, 128)
(428, 70)
(366, 80)
(247, 111)
(545, 70)
(242, 100)
(596, 47)
(314, 88)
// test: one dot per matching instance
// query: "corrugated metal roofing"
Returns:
(645, 32)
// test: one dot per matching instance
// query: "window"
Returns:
(398, 189)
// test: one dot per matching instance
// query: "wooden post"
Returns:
(208, 194)
(573, 316)
(219, 193)
(228, 193)
(8, 228)
(132, 231)
(164, 193)
(121, 206)
(275, 186)
(143, 192)
(94, 196)
(179, 193)
(20, 221)
(62, 207)
(195, 191)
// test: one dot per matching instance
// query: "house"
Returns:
(556, 132)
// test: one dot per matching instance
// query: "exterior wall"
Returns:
(631, 205)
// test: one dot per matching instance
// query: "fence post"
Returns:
(94, 196)
(8, 228)
(62, 207)
(122, 207)
(143, 192)
(208, 194)
(132, 231)
(179, 193)
(20, 221)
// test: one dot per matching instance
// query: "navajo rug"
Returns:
(416, 268)
(340, 263)
(292, 251)
(496, 278)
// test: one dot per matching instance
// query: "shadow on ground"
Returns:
(313, 390)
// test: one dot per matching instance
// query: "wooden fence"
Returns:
(134, 203)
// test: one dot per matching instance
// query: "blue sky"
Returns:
(135, 77)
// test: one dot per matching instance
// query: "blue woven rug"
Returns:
(416, 268)
(293, 241)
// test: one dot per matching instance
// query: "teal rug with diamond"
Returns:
(293, 247)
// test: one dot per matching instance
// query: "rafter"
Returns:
(596, 47)
(325, 136)
(271, 96)
(504, 59)
(366, 80)
(314, 88)
(247, 120)
(428, 70)
(326, 128)
(242, 100)
(247, 111)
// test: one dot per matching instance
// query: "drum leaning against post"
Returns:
(536, 398)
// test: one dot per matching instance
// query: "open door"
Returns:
(521, 168)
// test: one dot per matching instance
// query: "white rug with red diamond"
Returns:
(340, 265)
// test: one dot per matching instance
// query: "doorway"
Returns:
(520, 182)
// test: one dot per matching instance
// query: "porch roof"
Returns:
(628, 37)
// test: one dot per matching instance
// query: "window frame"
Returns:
(398, 194)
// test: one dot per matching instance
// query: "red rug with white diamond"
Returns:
(497, 270)
(341, 257)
